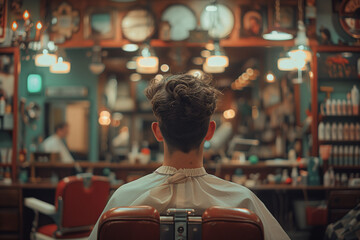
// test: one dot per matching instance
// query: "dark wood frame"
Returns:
(88, 33)
(16, 55)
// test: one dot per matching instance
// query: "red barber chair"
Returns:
(78, 204)
(144, 222)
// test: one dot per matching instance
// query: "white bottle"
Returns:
(349, 105)
(332, 177)
(333, 107)
(327, 132)
(352, 132)
(356, 156)
(346, 155)
(351, 155)
(321, 132)
(327, 179)
(334, 132)
(355, 100)
(294, 176)
(346, 132)
(338, 107)
(335, 155)
(2, 106)
(357, 132)
(328, 107)
(341, 155)
(340, 132)
(344, 107)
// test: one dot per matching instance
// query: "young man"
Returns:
(183, 105)
(55, 143)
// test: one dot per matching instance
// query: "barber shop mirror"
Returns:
(69, 121)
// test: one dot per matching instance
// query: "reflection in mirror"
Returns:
(76, 115)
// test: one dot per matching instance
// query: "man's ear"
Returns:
(157, 133)
(211, 131)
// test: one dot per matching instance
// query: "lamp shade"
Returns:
(213, 69)
(45, 59)
(61, 67)
(277, 35)
(147, 65)
(290, 64)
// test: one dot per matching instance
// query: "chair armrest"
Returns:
(40, 206)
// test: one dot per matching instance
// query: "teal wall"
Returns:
(78, 76)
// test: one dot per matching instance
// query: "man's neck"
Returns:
(178, 159)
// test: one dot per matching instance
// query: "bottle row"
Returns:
(344, 155)
(343, 179)
(342, 107)
(339, 131)
(5, 155)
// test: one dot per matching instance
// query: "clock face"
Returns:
(137, 25)
(218, 20)
(181, 19)
(349, 17)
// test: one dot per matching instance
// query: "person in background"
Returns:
(183, 105)
(56, 143)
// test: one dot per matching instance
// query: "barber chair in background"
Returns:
(78, 204)
(144, 222)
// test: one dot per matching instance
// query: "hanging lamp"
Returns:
(277, 33)
(147, 62)
(301, 49)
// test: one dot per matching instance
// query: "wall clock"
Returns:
(138, 25)
(349, 15)
(181, 19)
(218, 19)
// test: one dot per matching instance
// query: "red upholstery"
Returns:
(231, 223)
(82, 206)
(142, 222)
(49, 230)
(131, 223)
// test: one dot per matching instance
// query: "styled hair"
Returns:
(183, 105)
(60, 126)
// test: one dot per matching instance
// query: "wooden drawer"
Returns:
(9, 220)
(344, 199)
(9, 197)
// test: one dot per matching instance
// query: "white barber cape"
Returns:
(193, 188)
(54, 144)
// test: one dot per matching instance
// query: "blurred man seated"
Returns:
(56, 143)
(183, 106)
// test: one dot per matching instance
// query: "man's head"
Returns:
(183, 105)
(62, 129)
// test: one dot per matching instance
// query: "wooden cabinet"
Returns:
(10, 212)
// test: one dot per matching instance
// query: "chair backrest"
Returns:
(131, 223)
(80, 200)
(231, 223)
(143, 222)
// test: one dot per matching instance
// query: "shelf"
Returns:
(337, 48)
(344, 167)
(345, 118)
(342, 80)
(339, 142)
(5, 164)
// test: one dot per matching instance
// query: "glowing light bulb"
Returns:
(229, 114)
(14, 26)
(270, 77)
(26, 15)
(39, 25)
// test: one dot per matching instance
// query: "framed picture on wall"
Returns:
(288, 17)
(3, 12)
(99, 24)
(253, 21)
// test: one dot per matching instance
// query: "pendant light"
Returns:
(217, 61)
(44, 58)
(96, 66)
(277, 33)
(60, 67)
(301, 49)
(147, 62)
